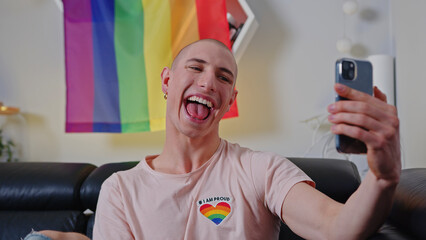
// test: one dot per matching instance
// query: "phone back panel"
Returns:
(363, 81)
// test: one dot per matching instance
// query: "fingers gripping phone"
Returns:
(358, 75)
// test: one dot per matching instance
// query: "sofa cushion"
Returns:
(409, 208)
(90, 226)
(17, 224)
(42, 185)
(390, 232)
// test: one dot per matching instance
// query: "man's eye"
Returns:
(225, 79)
(195, 68)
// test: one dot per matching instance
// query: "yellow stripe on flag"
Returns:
(158, 54)
(184, 24)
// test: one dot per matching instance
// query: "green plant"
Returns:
(6, 147)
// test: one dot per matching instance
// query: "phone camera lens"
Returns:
(345, 65)
(348, 70)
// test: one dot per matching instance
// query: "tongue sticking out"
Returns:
(197, 110)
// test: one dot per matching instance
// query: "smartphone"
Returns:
(356, 74)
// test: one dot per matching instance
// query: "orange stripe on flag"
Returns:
(184, 24)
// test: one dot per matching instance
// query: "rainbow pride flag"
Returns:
(115, 51)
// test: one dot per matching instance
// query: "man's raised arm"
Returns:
(370, 119)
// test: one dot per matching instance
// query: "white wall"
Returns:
(286, 76)
(410, 36)
(287, 72)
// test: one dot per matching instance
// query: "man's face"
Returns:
(200, 88)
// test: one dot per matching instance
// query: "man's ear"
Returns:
(165, 77)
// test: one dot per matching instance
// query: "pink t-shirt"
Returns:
(237, 194)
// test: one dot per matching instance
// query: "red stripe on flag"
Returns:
(233, 111)
(212, 23)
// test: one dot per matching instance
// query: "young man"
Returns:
(202, 187)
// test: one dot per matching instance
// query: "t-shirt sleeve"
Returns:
(110, 220)
(273, 177)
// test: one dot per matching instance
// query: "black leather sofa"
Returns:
(56, 196)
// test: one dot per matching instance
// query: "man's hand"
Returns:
(371, 120)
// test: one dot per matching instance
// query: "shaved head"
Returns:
(218, 43)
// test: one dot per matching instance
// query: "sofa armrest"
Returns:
(409, 208)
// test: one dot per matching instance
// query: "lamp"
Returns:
(5, 110)
(344, 44)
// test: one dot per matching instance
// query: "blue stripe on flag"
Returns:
(106, 102)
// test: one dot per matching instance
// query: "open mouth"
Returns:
(198, 108)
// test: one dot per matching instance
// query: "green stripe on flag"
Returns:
(129, 50)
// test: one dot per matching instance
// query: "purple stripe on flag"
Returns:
(79, 64)
(79, 127)
(106, 105)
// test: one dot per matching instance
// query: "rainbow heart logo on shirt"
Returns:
(216, 214)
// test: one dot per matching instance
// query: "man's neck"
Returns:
(182, 154)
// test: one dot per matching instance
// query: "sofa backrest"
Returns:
(42, 185)
(91, 187)
(41, 196)
(336, 178)
(54, 195)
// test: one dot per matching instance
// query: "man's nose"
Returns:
(208, 81)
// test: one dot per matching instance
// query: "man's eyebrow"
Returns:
(196, 60)
(223, 69)
(227, 71)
